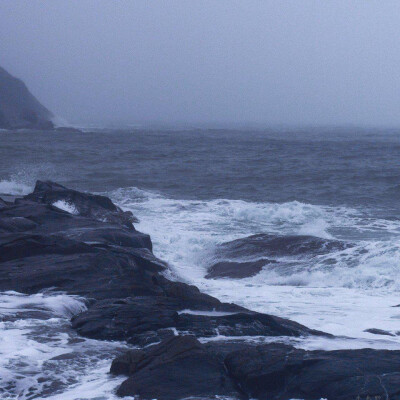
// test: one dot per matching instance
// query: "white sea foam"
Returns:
(42, 357)
(11, 187)
(66, 206)
(58, 304)
(343, 292)
(22, 180)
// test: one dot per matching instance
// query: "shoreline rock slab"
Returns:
(265, 372)
(277, 371)
(176, 368)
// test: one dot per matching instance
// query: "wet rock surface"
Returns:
(277, 371)
(269, 371)
(376, 331)
(236, 270)
(275, 245)
(63, 240)
(176, 368)
(248, 256)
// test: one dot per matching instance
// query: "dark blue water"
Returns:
(330, 197)
(351, 167)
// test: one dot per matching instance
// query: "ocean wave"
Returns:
(187, 234)
(344, 291)
(58, 304)
(10, 187)
(22, 179)
(42, 357)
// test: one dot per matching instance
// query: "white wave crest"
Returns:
(186, 233)
(42, 357)
(13, 188)
(65, 206)
(59, 304)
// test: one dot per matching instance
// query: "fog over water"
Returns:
(208, 62)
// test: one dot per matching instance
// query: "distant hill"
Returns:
(19, 108)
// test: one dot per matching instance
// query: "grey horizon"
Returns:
(221, 63)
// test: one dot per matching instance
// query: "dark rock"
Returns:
(265, 245)
(98, 207)
(127, 363)
(17, 246)
(148, 319)
(43, 247)
(110, 235)
(238, 324)
(73, 267)
(127, 319)
(16, 224)
(376, 331)
(188, 296)
(67, 129)
(19, 108)
(176, 368)
(246, 257)
(281, 372)
(236, 270)
(65, 356)
(3, 203)
(270, 371)
(98, 254)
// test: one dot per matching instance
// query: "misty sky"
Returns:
(236, 62)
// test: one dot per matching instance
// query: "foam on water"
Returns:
(343, 292)
(42, 357)
(57, 304)
(11, 187)
(65, 206)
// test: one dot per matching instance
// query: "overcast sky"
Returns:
(237, 62)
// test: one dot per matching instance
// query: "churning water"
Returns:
(195, 190)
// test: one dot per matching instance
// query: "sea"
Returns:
(195, 189)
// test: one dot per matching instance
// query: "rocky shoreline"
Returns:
(82, 244)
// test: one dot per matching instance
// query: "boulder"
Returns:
(148, 319)
(246, 257)
(176, 368)
(266, 245)
(269, 371)
(236, 270)
(98, 207)
(281, 372)
(376, 331)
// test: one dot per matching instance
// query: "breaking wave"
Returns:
(344, 290)
(42, 357)
(189, 233)
(11, 187)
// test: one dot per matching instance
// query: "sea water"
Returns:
(194, 190)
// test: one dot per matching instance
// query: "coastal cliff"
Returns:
(19, 109)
